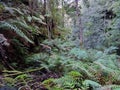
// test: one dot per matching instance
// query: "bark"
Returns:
(33, 4)
(63, 13)
(48, 19)
(79, 23)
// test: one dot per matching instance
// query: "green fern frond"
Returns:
(21, 23)
(81, 67)
(79, 53)
(36, 57)
(109, 87)
(116, 87)
(90, 83)
(13, 10)
(6, 25)
(39, 20)
(75, 74)
(66, 82)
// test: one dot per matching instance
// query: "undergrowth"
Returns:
(80, 68)
(54, 64)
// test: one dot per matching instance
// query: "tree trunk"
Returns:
(79, 23)
(62, 13)
(48, 19)
(33, 4)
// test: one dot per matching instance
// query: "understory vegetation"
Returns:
(59, 45)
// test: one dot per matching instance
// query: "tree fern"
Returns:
(6, 25)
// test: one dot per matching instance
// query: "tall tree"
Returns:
(79, 23)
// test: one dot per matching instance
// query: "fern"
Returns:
(66, 82)
(6, 25)
(75, 74)
(38, 57)
(116, 87)
(13, 10)
(21, 23)
(109, 87)
(81, 67)
(80, 54)
(110, 50)
(48, 83)
(90, 83)
(39, 20)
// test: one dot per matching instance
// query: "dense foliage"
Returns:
(59, 45)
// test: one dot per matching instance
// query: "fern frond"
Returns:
(36, 57)
(21, 23)
(116, 87)
(90, 83)
(6, 25)
(109, 87)
(66, 82)
(13, 10)
(81, 67)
